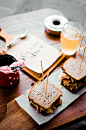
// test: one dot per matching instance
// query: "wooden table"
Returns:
(14, 25)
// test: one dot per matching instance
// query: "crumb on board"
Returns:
(61, 86)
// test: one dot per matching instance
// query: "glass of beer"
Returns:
(70, 37)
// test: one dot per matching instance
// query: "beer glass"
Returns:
(71, 36)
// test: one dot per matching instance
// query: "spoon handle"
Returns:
(11, 43)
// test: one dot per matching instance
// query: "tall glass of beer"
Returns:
(70, 37)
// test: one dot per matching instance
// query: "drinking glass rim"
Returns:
(71, 22)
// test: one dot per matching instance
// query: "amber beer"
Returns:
(70, 39)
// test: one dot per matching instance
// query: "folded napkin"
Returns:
(15, 66)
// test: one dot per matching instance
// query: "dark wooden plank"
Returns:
(16, 118)
(16, 115)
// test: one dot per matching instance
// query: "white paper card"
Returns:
(32, 50)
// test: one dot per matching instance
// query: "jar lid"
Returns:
(54, 23)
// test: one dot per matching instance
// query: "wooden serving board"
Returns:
(17, 119)
(21, 50)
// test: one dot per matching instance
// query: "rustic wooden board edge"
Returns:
(15, 114)
(17, 118)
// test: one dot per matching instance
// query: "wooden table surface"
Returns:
(33, 21)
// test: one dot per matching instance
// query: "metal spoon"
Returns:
(15, 40)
